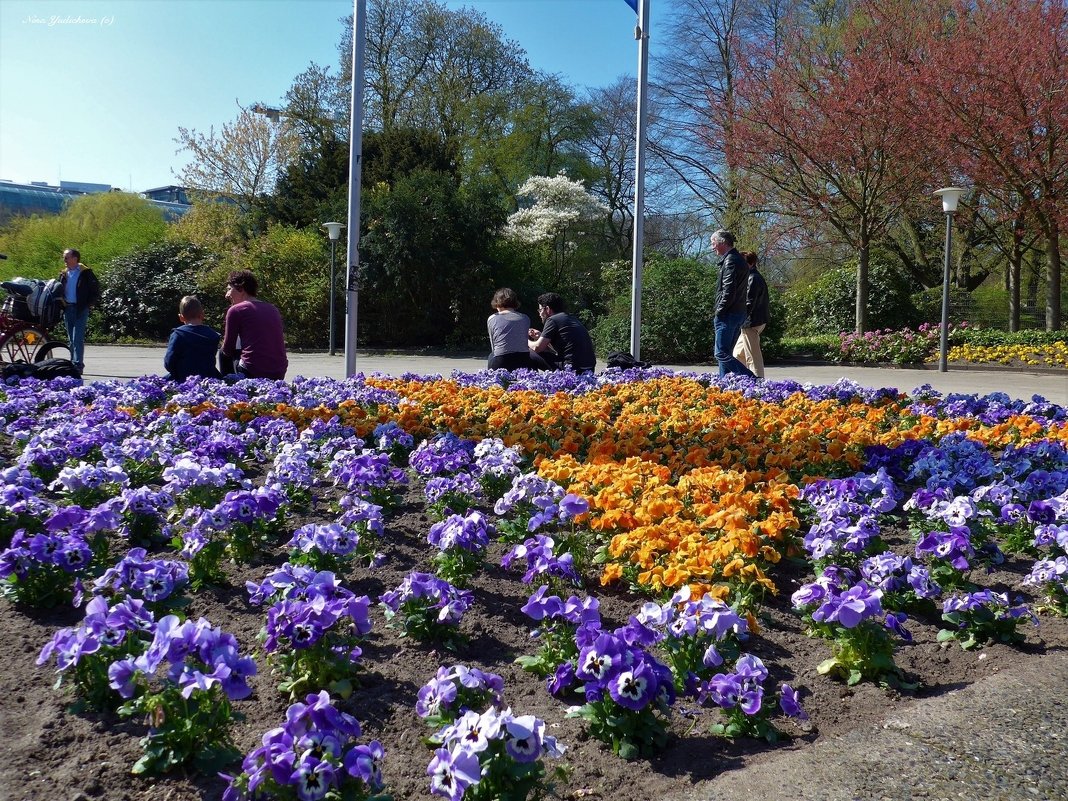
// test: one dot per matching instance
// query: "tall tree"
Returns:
(538, 130)
(425, 260)
(610, 147)
(697, 73)
(242, 160)
(996, 81)
(427, 64)
(829, 130)
(317, 106)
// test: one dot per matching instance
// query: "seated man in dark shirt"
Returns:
(563, 341)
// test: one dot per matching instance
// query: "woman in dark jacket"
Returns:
(747, 349)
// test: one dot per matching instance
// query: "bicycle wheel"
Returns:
(21, 345)
(52, 349)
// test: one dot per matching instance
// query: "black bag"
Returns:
(49, 368)
(56, 368)
(624, 361)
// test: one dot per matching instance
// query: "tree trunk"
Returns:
(1015, 260)
(862, 287)
(1053, 277)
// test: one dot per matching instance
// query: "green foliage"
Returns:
(221, 228)
(390, 155)
(678, 301)
(771, 336)
(992, 337)
(518, 266)
(984, 617)
(828, 304)
(541, 130)
(425, 261)
(928, 305)
(862, 653)
(630, 733)
(293, 269)
(291, 264)
(817, 346)
(141, 291)
(103, 227)
(193, 731)
(314, 189)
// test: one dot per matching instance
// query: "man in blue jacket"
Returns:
(80, 292)
(730, 302)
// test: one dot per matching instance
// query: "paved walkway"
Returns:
(1004, 738)
(123, 361)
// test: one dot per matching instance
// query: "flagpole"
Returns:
(352, 281)
(641, 33)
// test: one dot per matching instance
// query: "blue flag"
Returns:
(633, 4)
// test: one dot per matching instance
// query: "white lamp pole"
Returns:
(333, 230)
(950, 196)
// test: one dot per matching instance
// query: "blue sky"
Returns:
(94, 90)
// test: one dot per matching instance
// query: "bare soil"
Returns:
(49, 752)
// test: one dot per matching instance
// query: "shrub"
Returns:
(828, 304)
(928, 304)
(771, 336)
(678, 301)
(140, 292)
(293, 268)
(993, 338)
(819, 346)
(895, 347)
(426, 252)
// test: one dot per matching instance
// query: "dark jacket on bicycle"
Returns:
(87, 291)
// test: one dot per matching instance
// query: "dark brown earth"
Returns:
(49, 752)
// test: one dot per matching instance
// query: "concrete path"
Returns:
(124, 362)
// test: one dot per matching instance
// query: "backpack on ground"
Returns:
(44, 370)
(624, 361)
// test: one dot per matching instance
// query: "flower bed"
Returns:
(560, 573)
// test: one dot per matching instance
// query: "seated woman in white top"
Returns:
(508, 333)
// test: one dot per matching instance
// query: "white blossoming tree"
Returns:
(560, 209)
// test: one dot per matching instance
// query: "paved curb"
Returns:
(1003, 738)
(978, 367)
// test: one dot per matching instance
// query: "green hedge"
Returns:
(828, 346)
(678, 302)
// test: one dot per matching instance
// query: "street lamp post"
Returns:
(950, 195)
(333, 230)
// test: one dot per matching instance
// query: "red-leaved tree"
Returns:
(825, 124)
(994, 81)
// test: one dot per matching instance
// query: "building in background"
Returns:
(38, 197)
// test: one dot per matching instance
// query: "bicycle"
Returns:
(24, 337)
